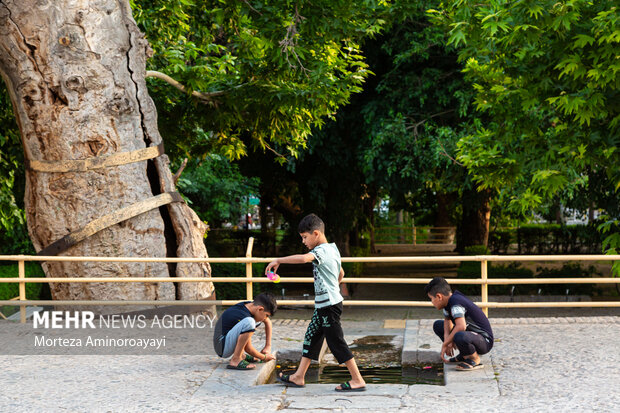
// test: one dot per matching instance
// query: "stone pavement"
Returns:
(537, 364)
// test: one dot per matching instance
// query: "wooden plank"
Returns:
(248, 270)
(350, 280)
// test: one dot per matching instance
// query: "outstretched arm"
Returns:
(291, 259)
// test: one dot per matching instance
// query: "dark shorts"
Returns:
(325, 324)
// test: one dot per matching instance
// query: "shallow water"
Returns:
(379, 360)
(419, 374)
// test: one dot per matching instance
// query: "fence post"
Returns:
(248, 271)
(484, 286)
(414, 235)
(22, 290)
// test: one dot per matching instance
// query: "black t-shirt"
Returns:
(233, 315)
(226, 322)
(475, 319)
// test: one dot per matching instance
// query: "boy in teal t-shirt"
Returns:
(325, 323)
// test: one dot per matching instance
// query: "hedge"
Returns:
(547, 239)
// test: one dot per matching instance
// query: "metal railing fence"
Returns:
(484, 281)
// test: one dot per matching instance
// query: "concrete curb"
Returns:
(420, 343)
(294, 354)
(223, 381)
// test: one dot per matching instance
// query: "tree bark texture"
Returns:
(75, 71)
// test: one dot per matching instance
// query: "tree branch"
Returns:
(180, 171)
(415, 126)
(206, 96)
(252, 8)
(443, 149)
(447, 154)
(290, 41)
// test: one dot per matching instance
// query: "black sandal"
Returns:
(469, 364)
(243, 365)
(457, 359)
(286, 380)
(346, 386)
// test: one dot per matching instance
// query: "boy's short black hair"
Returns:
(311, 223)
(267, 301)
(438, 285)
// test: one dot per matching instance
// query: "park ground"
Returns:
(541, 361)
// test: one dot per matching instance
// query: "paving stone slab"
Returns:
(226, 381)
(327, 390)
(344, 401)
(541, 366)
(420, 345)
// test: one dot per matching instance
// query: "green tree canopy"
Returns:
(268, 72)
(416, 113)
(545, 74)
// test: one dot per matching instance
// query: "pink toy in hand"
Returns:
(273, 277)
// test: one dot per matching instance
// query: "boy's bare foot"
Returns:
(295, 379)
(475, 357)
(353, 385)
(235, 363)
(469, 363)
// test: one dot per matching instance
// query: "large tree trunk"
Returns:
(75, 71)
(474, 229)
(445, 205)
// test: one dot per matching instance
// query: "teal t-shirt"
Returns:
(326, 271)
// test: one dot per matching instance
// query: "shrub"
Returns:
(512, 270)
(34, 291)
(471, 269)
(500, 240)
(554, 238)
(569, 270)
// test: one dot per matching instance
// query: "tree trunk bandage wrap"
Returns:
(108, 220)
(123, 214)
(106, 161)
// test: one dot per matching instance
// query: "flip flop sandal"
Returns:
(457, 359)
(346, 386)
(243, 365)
(252, 359)
(286, 380)
(468, 364)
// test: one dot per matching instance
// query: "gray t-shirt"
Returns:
(326, 271)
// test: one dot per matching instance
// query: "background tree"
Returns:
(76, 77)
(217, 190)
(419, 111)
(545, 73)
(398, 138)
(264, 74)
(78, 92)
